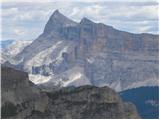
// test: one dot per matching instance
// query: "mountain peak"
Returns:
(85, 20)
(56, 21)
(57, 14)
(56, 11)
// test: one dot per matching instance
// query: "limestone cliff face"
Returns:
(22, 99)
(108, 56)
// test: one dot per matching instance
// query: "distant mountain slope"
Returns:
(5, 43)
(107, 56)
(16, 47)
(146, 100)
(11, 48)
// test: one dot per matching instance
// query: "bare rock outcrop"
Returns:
(22, 99)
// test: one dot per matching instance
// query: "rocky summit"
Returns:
(22, 99)
(68, 53)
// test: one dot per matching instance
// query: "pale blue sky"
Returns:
(26, 20)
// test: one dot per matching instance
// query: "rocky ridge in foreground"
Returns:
(22, 99)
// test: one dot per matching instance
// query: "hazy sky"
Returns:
(26, 20)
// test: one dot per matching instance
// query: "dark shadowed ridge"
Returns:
(22, 99)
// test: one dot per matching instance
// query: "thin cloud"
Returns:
(127, 15)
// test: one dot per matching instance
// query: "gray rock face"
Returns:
(59, 21)
(22, 99)
(19, 96)
(109, 56)
(89, 102)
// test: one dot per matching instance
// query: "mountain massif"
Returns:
(22, 99)
(68, 53)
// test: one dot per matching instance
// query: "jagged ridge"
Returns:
(22, 99)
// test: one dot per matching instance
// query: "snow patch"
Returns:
(90, 60)
(149, 82)
(72, 77)
(16, 47)
(39, 79)
(116, 86)
(44, 57)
